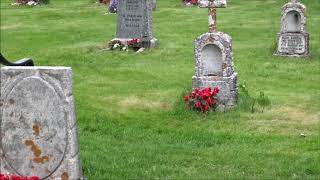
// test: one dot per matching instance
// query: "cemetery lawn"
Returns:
(130, 111)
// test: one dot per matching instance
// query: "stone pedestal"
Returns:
(38, 124)
(293, 39)
(214, 67)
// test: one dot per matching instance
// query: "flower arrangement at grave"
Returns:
(203, 100)
(190, 2)
(133, 44)
(15, 177)
(30, 2)
(113, 6)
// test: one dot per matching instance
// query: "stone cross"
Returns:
(212, 5)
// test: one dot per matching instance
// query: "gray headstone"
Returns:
(293, 39)
(135, 21)
(38, 123)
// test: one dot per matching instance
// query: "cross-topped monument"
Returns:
(214, 59)
(212, 5)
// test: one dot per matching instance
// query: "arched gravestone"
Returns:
(214, 60)
(211, 56)
(293, 39)
(38, 125)
(292, 22)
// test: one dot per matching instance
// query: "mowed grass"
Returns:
(131, 116)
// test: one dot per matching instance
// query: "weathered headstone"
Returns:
(293, 39)
(214, 59)
(135, 21)
(38, 124)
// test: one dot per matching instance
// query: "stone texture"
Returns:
(135, 21)
(212, 4)
(38, 123)
(220, 65)
(293, 39)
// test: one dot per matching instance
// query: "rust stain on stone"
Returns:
(36, 152)
(65, 176)
(224, 66)
(41, 160)
(36, 129)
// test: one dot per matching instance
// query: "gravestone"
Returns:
(135, 21)
(293, 39)
(214, 60)
(38, 123)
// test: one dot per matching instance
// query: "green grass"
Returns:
(131, 117)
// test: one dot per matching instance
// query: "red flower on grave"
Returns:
(216, 90)
(15, 177)
(202, 99)
(133, 41)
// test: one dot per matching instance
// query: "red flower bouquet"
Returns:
(202, 100)
(14, 177)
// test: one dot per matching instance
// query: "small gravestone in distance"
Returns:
(38, 123)
(135, 21)
(293, 39)
(214, 60)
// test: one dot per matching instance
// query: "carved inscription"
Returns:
(133, 19)
(292, 44)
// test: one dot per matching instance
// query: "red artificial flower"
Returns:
(198, 104)
(194, 1)
(4, 177)
(201, 99)
(34, 178)
(216, 90)
(15, 177)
